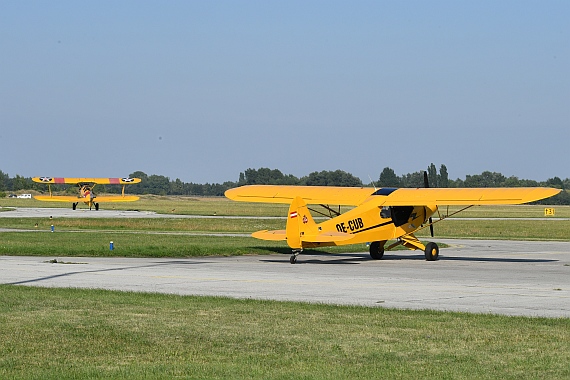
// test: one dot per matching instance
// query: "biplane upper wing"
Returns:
(99, 199)
(74, 181)
(354, 196)
(346, 196)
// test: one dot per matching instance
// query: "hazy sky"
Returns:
(203, 90)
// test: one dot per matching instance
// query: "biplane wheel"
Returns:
(432, 252)
(74, 206)
(293, 259)
(96, 206)
(376, 250)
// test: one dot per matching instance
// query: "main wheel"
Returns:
(96, 206)
(432, 252)
(293, 259)
(74, 205)
(376, 250)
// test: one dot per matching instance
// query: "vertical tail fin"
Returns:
(299, 223)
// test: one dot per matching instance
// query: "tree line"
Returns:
(162, 185)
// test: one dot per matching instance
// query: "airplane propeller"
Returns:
(426, 185)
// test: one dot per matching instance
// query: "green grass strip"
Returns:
(96, 334)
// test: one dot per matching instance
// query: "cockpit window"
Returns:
(385, 191)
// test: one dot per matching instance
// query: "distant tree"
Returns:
(555, 182)
(485, 179)
(4, 178)
(412, 180)
(157, 184)
(432, 176)
(388, 178)
(266, 176)
(21, 183)
(176, 187)
(330, 178)
(443, 178)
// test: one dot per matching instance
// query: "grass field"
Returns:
(90, 334)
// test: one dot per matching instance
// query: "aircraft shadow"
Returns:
(323, 257)
(72, 273)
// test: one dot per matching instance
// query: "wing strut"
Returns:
(332, 213)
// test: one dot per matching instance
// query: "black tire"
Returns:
(376, 250)
(96, 206)
(74, 206)
(432, 252)
(293, 259)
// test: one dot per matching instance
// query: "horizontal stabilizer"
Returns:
(327, 237)
(270, 235)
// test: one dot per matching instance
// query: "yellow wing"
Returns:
(99, 181)
(466, 196)
(346, 196)
(104, 199)
(59, 198)
(108, 199)
(354, 196)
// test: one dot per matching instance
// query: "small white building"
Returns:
(25, 196)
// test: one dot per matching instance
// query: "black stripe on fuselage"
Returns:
(371, 228)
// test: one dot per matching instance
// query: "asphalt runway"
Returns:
(499, 277)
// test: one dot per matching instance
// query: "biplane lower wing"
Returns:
(103, 199)
(57, 198)
(109, 199)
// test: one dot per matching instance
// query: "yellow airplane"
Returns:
(379, 215)
(86, 194)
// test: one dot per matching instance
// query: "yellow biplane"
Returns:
(86, 193)
(379, 215)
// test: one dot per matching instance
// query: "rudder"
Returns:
(299, 223)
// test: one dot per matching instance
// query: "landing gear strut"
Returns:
(293, 258)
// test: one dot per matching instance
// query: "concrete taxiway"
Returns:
(499, 277)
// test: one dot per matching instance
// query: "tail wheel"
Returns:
(377, 249)
(432, 252)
